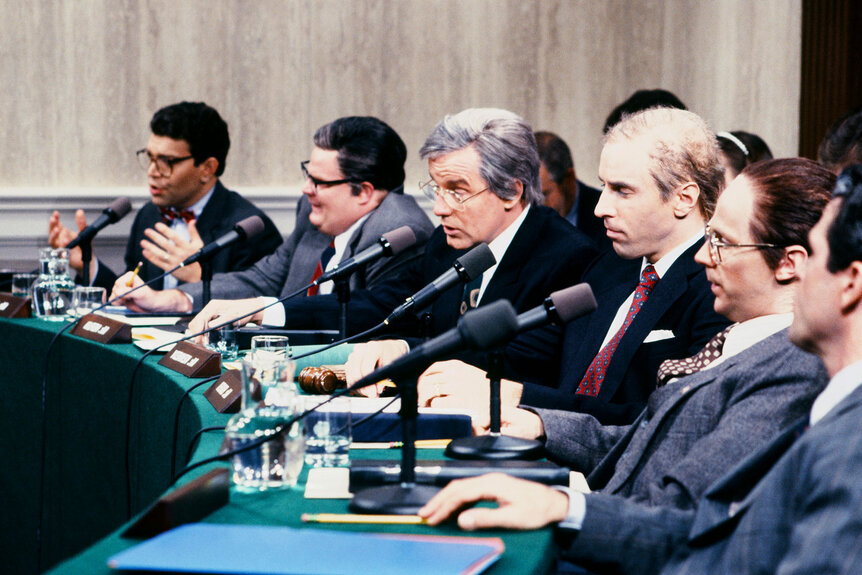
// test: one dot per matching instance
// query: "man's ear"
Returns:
(851, 292)
(518, 186)
(208, 169)
(685, 199)
(366, 192)
(791, 263)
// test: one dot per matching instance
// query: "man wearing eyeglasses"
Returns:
(189, 206)
(352, 194)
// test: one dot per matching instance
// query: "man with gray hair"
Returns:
(484, 181)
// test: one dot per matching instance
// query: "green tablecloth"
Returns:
(85, 476)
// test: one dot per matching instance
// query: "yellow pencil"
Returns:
(351, 518)
(134, 274)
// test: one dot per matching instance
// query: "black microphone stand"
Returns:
(341, 288)
(86, 258)
(495, 445)
(407, 497)
(206, 278)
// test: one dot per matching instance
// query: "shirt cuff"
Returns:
(273, 316)
(577, 508)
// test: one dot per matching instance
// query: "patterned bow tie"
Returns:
(170, 214)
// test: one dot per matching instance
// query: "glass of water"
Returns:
(223, 341)
(276, 459)
(85, 299)
(270, 347)
(21, 284)
(328, 432)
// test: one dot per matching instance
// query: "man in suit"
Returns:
(661, 175)
(564, 192)
(792, 506)
(188, 207)
(353, 193)
(484, 171)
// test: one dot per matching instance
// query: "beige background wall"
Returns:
(80, 79)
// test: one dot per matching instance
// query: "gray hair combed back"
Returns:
(505, 144)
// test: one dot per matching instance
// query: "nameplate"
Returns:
(102, 329)
(192, 360)
(14, 306)
(225, 394)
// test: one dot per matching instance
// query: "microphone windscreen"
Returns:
(574, 301)
(400, 239)
(476, 261)
(119, 207)
(489, 326)
(249, 227)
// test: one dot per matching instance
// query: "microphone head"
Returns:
(249, 227)
(118, 209)
(489, 326)
(573, 302)
(399, 239)
(475, 262)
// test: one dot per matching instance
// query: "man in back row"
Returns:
(188, 207)
(352, 194)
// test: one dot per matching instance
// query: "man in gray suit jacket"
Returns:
(694, 428)
(353, 194)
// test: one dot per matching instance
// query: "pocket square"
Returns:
(658, 335)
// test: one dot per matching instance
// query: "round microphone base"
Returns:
(400, 499)
(496, 447)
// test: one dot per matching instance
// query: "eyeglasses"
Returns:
(164, 164)
(315, 182)
(454, 199)
(716, 245)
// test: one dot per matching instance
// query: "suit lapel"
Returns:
(212, 213)
(509, 270)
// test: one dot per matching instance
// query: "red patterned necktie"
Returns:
(671, 368)
(170, 214)
(321, 265)
(592, 382)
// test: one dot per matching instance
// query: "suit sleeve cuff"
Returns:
(273, 315)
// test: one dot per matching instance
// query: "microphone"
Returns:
(389, 244)
(243, 230)
(483, 328)
(110, 215)
(465, 269)
(560, 307)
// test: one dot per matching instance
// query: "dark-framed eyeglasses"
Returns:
(164, 164)
(455, 199)
(716, 245)
(315, 182)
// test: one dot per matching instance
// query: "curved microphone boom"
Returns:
(110, 215)
(465, 269)
(242, 231)
(389, 244)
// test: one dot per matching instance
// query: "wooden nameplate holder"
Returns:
(14, 306)
(102, 329)
(192, 360)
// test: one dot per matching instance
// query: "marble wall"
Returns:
(80, 79)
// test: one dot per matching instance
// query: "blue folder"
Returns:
(254, 549)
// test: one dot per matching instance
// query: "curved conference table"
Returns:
(85, 507)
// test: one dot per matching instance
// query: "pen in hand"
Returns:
(134, 274)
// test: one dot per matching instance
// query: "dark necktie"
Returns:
(321, 265)
(595, 376)
(671, 368)
(170, 214)
(470, 295)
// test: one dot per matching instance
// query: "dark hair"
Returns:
(845, 232)
(643, 100)
(199, 126)
(790, 196)
(368, 151)
(842, 144)
(742, 149)
(554, 153)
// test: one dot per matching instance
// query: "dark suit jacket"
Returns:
(680, 304)
(694, 428)
(586, 220)
(292, 265)
(790, 507)
(223, 210)
(546, 254)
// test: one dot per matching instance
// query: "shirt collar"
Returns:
(199, 206)
(744, 335)
(839, 387)
(340, 241)
(669, 258)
